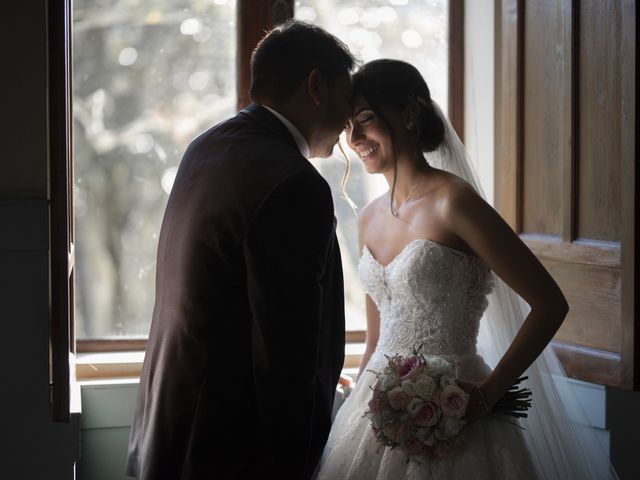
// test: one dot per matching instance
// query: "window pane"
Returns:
(148, 77)
(414, 31)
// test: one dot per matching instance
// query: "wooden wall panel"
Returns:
(544, 79)
(456, 66)
(508, 106)
(630, 377)
(597, 366)
(593, 294)
(599, 118)
(566, 168)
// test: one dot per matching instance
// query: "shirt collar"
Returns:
(302, 144)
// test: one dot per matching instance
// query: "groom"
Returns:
(247, 338)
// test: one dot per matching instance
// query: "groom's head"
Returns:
(303, 72)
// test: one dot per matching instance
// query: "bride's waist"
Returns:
(427, 341)
(469, 364)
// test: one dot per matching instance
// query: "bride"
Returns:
(436, 259)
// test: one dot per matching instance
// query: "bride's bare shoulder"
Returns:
(455, 194)
(366, 213)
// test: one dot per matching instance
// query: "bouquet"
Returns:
(416, 405)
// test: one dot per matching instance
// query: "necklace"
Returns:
(413, 189)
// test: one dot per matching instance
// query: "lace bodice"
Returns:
(428, 294)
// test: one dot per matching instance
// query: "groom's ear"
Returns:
(313, 86)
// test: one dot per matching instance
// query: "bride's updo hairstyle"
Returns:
(396, 84)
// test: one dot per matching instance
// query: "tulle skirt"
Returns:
(492, 449)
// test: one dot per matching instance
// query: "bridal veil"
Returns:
(563, 446)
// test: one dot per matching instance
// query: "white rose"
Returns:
(409, 387)
(425, 388)
(425, 435)
(414, 405)
(446, 380)
(440, 366)
(398, 398)
(387, 383)
(451, 426)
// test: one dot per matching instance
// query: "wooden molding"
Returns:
(139, 344)
(355, 336)
(570, 122)
(111, 345)
(456, 66)
(589, 364)
(630, 293)
(508, 110)
(583, 252)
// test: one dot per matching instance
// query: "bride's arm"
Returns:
(373, 332)
(373, 316)
(491, 238)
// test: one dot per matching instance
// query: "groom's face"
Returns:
(332, 116)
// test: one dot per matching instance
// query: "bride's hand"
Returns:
(476, 407)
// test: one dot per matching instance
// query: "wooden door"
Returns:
(566, 176)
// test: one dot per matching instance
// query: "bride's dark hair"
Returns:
(395, 84)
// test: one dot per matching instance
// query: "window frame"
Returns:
(61, 228)
(252, 20)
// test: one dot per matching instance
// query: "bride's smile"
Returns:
(364, 154)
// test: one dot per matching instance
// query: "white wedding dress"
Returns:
(434, 296)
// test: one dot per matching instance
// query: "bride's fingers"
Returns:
(466, 385)
(475, 408)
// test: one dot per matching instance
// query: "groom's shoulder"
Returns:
(242, 136)
(232, 129)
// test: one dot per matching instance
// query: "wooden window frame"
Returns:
(61, 228)
(255, 18)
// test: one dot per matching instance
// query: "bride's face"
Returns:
(368, 136)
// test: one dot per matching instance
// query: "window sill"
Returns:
(107, 365)
(113, 365)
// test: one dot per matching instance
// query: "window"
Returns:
(148, 76)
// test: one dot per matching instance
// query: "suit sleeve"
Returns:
(286, 252)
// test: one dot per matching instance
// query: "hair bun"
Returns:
(431, 128)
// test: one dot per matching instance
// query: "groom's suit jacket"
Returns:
(247, 337)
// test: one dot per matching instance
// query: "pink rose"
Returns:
(410, 366)
(398, 398)
(427, 415)
(454, 401)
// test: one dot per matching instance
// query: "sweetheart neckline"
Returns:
(415, 241)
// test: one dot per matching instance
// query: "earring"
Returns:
(410, 124)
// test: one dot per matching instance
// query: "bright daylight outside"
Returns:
(148, 77)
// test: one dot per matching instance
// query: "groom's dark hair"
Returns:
(288, 53)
